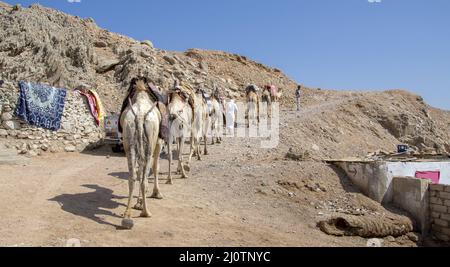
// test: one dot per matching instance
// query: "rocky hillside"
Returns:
(346, 124)
(44, 45)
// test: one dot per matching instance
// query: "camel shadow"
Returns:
(120, 175)
(103, 151)
(91, 205)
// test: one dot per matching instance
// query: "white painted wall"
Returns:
(374, 179)
(409, 169)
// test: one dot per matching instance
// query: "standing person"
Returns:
(231, 113)
(298, 93)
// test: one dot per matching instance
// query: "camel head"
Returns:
(176, 105)
(176, 101)
(138, 84)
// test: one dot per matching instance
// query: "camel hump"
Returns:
(140, 85)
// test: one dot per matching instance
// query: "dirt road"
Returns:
(231, 199)
(239, 195)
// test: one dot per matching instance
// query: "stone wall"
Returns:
(78, 129)
(440, 211)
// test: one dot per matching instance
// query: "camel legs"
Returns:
(138, 205)
(218, 138)
(179, 141)
(144, 185)
(180, 158)
(156, 192)
(247, 112)
(215, 135)
(197, 145)
(195, 149)
(206, 145)
(169, 145)
(131, 180)
(192, 150)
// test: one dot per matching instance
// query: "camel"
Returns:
(252, 105)
(275, 93)
(140, 122)
(270, 95)
(181, 115)
(267, 98)
(222, 105)
(216, 113)
(199, 127)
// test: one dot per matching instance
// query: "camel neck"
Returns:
(141, 96)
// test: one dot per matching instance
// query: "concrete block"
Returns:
(440, 230)
(436, 228)
(447, 203)
(445, 231)
(445, 217)
(447, 188)
(440, 222)
(445, 195)
(439, 208)
(433, 193)
(412, 195)
(435, 215)
(437, 187)
(442, 237)
(437, 201)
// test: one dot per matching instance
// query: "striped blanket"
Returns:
(95, 104)
(41, 105)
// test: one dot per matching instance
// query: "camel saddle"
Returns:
(251, 88)
(164, 131)
(185, 93)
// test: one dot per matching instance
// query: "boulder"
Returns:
(170, 60)
(145, 54)
(32, 153)
(11, 125)
(70, 149)
(7, 116)
(297, 154)
(6, 108)
(100, 44)
(147, 43)
(3, 133)
(204, 66)
(106, 65)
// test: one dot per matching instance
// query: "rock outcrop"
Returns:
(43, 45)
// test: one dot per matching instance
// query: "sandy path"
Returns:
(57, 197)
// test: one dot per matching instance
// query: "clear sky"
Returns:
(335, 44)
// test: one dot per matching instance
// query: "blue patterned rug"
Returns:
(41, 105)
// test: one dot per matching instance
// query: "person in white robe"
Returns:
(231, 112)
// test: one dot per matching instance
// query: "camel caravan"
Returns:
(150, 122)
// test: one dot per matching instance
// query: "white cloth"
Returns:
(231, 114)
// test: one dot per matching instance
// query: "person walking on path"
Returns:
(298, 94)
(231, 109)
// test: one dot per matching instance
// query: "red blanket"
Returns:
(93, 106)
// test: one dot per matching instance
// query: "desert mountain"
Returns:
(44, 45)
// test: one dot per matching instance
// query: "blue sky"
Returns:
(335, 44)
